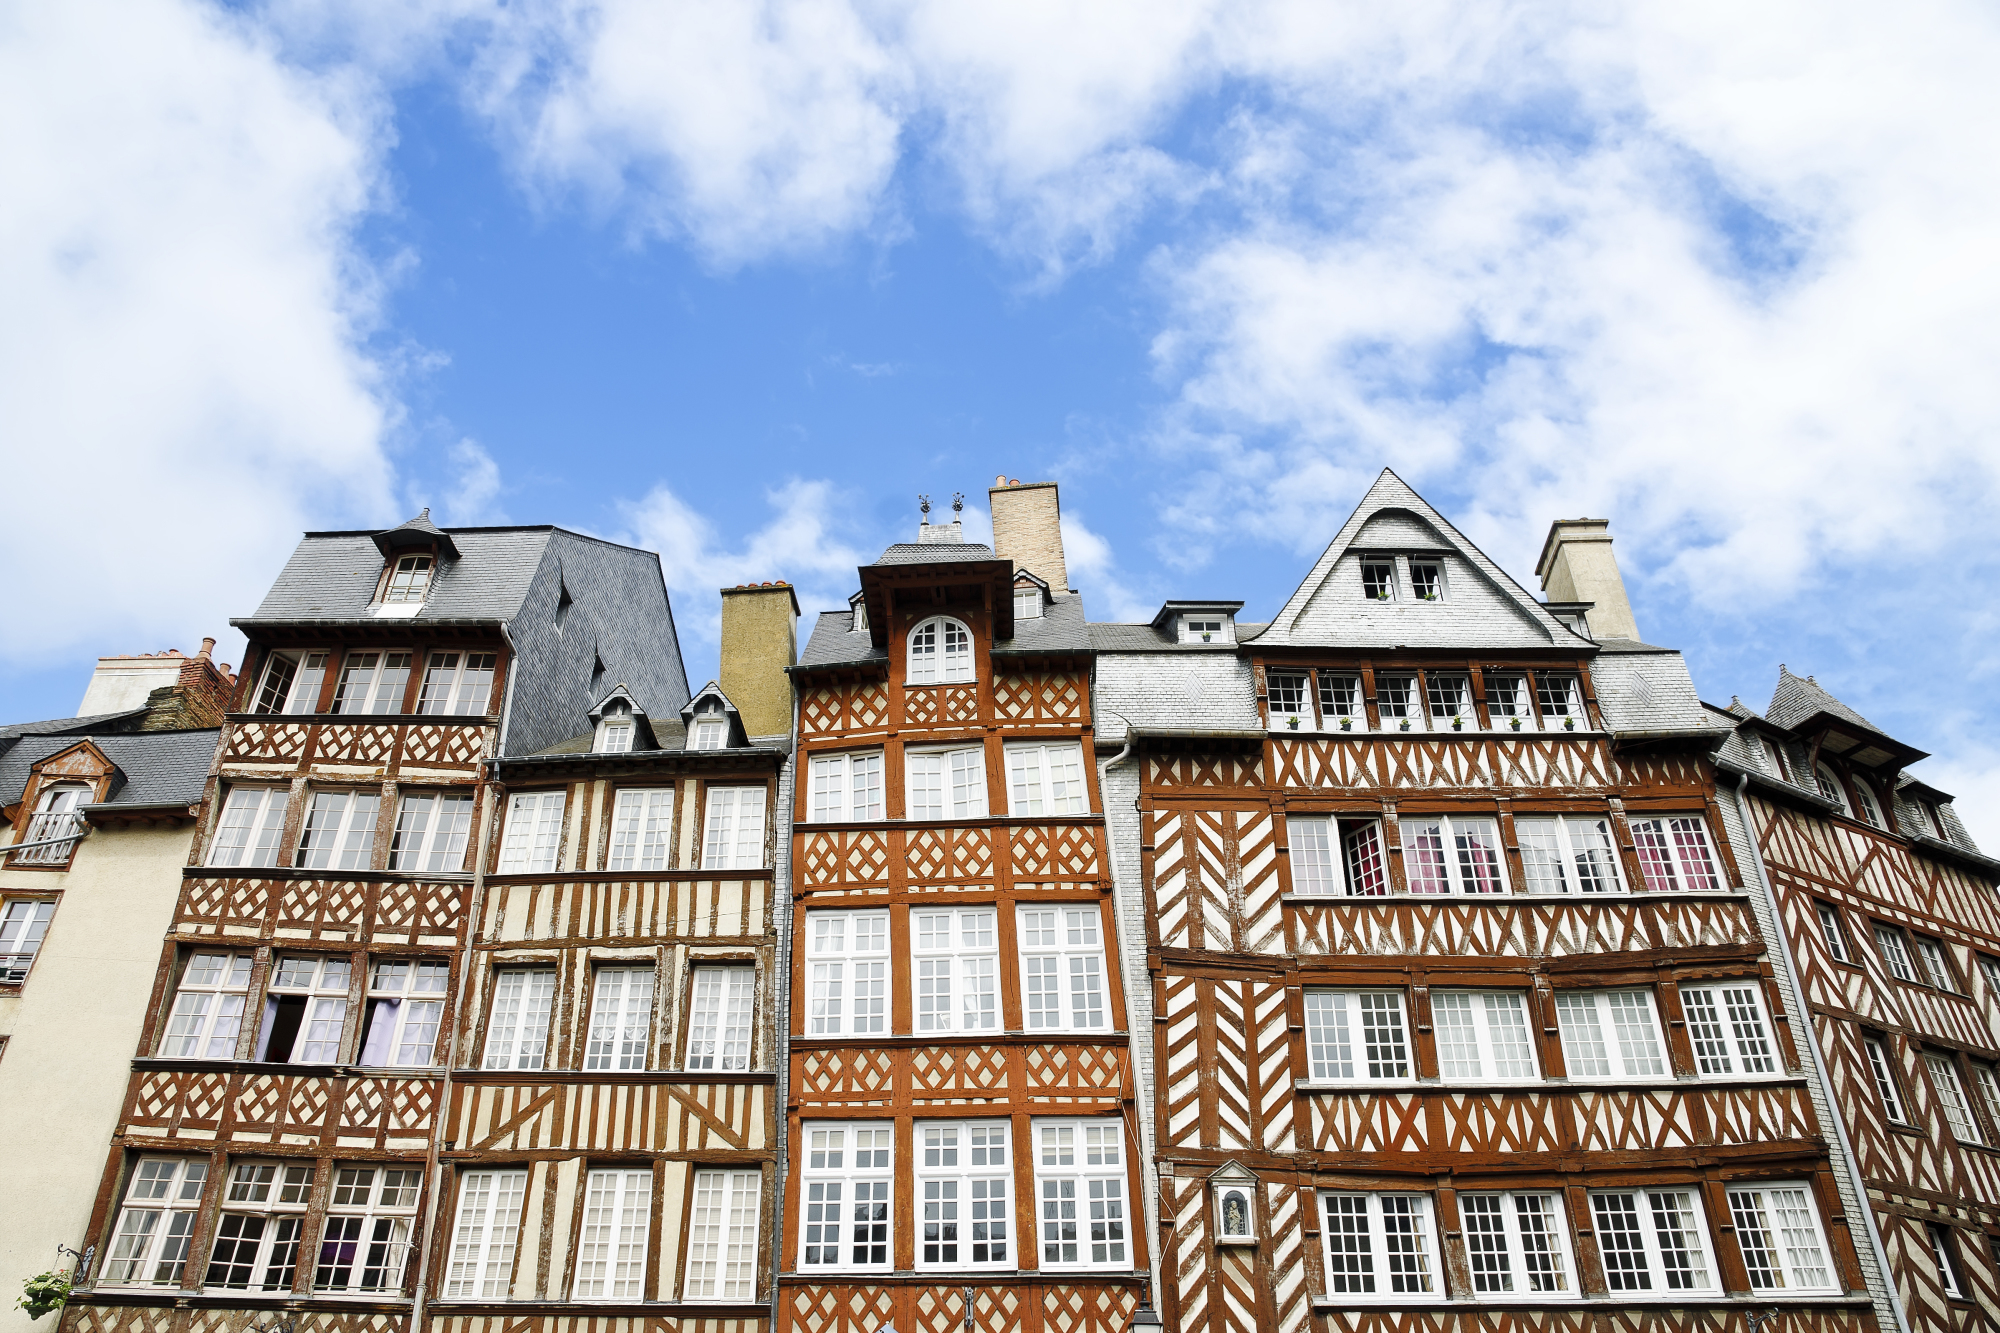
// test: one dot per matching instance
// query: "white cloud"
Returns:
(475, 486)
(1094, 571)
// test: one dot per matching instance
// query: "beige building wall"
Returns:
(759, 640)
(72, 1030)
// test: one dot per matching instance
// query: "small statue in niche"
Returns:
(1235, 1214)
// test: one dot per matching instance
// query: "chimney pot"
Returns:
(207, 647)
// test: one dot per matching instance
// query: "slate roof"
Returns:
(1060, 628)
(1117, 637)
(333, 575)
(834, 642)
(1795, 700)
(159, 767)
(1190, 690)
(931, 553)
(71, 726)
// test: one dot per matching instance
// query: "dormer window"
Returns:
(1378, 579)
(940, 652)
(1027, 603)
(1206, 628)
(409, 579)
(1427, 580)
(615, 732)
(1829, 787)
(857, 611)
(711, 733)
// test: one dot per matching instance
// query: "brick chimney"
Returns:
(1577, 566)
(759, 640)
(1027, 528)
(175, 690)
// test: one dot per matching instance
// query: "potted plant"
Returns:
(1347, 724)
(1206, 635)
(1457, 722)
(1516, 723)
(44, 1292)
(1293, 722)
(1569, 724)
(1404, 725)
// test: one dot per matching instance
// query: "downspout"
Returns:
(781, 893)
(1819, 1061)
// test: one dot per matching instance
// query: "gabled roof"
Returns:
(704, 701)
(419, 532)
(643, 724)
(1803, 707)
(1494, 612)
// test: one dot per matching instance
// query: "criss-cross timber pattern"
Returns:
(80, 1316)
(1472, 763)
(609, 1117)
(335, 910)
(426, 747)
(1049, 698)
(1513, 926)
(200, 1106)
(1075, 1076)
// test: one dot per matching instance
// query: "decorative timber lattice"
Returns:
(429, 746)
(355, 911)
(208, 1106)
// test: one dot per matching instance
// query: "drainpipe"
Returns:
(1819, 1061)
(781, 897)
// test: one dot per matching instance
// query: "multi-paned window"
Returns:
(1452, 854)
(1203, 629)
(534, 832)
(844, 1210)
(1379, 1246)
(940, 652)
(1046, 779)
(457, 684)
(721, 1000)
(1725, 1025)
(642, 828)
(611, 1249)
(735, 839)
(710, 733)
(22, 928)
(1357, 869)
(722, 1236)
(1449, 695)
(431, 829)
(1674, 853)
(1567, 853)
(1936, 970)
(961, 1180)
(373, 682)
(305, 1010)
(846, 786)
(946, 784)
(615, 734)
(1378, 578)
(1427, 579)
(1831, 787)
(292, 683)
(1507, 702)
(1988, 1083)
(1885, 1079)
(405, 1006)
(621, 1018)
(253, 820)
(955, 966)
(1517, 1246)
(1356, 1036)
(483, 1240)
(1340, 700)
(1610, 1034)
(1062, 967)
(1080, 1189)
(365, 1247)
(1947, 1262)
(263, 1219)
(156, 1225)
(847, 973)
(1561, 696)
(1286, 692)
(409, 579)
(1951, 1097)
(1482, 1035)
(1397, 701)
(1871, 808)
(1777, 1229)
(1890, 941)
(1989, 968)
(1653, 1240)
(339, 832)
(1027, 603)
(517, 1031)
(57, 824)
(207, 1018)
(1830, 931)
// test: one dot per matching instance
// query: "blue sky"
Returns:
(739, 282)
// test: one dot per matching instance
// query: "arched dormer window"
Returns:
(615, 730)
(1869, 808)
(1831, 788)
(940, 652)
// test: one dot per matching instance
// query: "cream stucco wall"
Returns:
(71, 1034)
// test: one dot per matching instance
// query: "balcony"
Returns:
(58, 831)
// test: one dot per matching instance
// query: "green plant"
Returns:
(44, 1292)
(1517, 724)
(1292, 722)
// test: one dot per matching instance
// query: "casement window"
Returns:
(611, 1250)
(1452, 854)
(955, 963)
(372, 683)
(366, 1245)
(946, 784)
(1396, 700)
(292, 683)
(720, 1004)
(1062, 968)
(1774, 760)
(1027, 603)
(1204, 629)
(305, 1008)
(1378, 579)
(534, 832)
(58, 815)
(642, 828)
(1777, 1228)
(846, 786)
(22, 927)
(156, 1225)
(1517, 1246)
(1653, 1240)
(1830, 931)
(1988, 1083)
(409, 579)
(1080, 1186)
(1946, 1261)
(722, 1236)
(207, 1018)
(1356, 1036)
(940, 652)
(1870, 809)
(1379, 1246)
(1482, 1036)
(1340, 700)
(253, 821)
(1935, 817)
(710, 733)
(1507, 702)
(1951, 1097)
(1286, 692)
(1567, 854)
(615, 735)
(1674, 853)
(1831, 787)
(1936, 970)
(339, 832)
(458, 684)
(1885, 1080)
(735, 839)
(1561, 698)
(431, 829)
(844, 1209)
(1427, 580)
(621, 1018)
(517, 1031)
(961, 1179)
(1450, 698)
(1358, 869)
(483, 1239)
(1046, 779)
(405, 1006)
(847, 970)
(1725, 1024)
(1989, 968)
(257, 1236)
(1890, 941)
(1610, 1034)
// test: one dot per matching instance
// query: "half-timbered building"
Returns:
(1461, 1014)
(960, 1119)
(1887, 908)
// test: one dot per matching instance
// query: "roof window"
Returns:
(409, 579)
(1207, 627)
(1378, 578)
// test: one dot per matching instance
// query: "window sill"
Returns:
(1550, 1085)
(191, 1064)
(1009, 1037)
(138, 1293)
(652, 1076)
(1605, 1301)
(1511, 899)
(1467, 732)
(369, 719)
(917, 1276)
(354, 876)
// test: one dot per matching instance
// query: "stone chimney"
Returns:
(1577, 566)
(1027, 528)
(175, 690)
(759, 640)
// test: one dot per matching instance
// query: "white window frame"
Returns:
(1831, 931)
(251, 827)
(486, 1228)
(1780, 1253)
(375, 1205)
(1880, 1067)
(1083, 1220)
(613, 1241)
(642, 829)
(1361, 869)
(1215, 624)
(1634, 1050)
(734, 839)
(1952, 1099)
(1027, 603)
(1403, 690)
(955, 968)
(722, 1236)
(939, 652)
(373, 681)
(709, 732)
(1358, 1036)
(1832, 788)
(1698, 1275)
(1895, 955)
(1329, 687)
(1775, 760)
(408, 579)
(1046, 778)
(156, 1224)
(1939, 1238)
(1288, 696)
(1064, 985)
(267, 1200)
(1518, 1246)
(1568, 854)
(1491, 1036)
(1439, 586)
(1363, 1269)
(1871, 808)
(1937, 971)
(621, 1017)
(432, 828)
(58, 815)
(840, 1161)
(24, 924)
(1989, 968)
(1509, 704)
(206, 1019)
(534, 831)
(722, 998)
(1559, 701)
(964, 1182)
(297, 692)
(1385, 586)
(1729, 1030)
(1988, 1083)
(945, 782)
(847, 787)
(1448, 695)
(847, 973)
(518, 1017)
(457, 683)
(405, 1010)
(616, 734)
(1676, 855)
(339, 829)
(323, 984)
(1460, 840)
